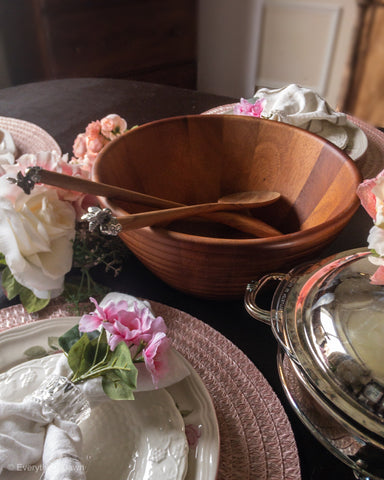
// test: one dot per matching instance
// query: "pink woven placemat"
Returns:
(28, 137)
(256, 439)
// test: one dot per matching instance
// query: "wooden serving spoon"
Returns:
(235, 220)
(236, 201)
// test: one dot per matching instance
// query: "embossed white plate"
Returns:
(144, 440)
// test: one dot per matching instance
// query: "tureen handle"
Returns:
(251, 292)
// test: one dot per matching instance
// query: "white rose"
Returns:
(376, 242)
(36, 238)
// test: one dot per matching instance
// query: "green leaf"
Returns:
(9, 283)
(120, 378)
(76, 355)
(13, 288)
(3, 263)
(116, 388)
(36, 352)
(53, 343)
(69, 338)
(31, 302)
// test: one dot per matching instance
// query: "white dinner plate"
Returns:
(146, 438)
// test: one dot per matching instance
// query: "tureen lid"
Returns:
(330, 319)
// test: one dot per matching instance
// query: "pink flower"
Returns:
(154, 356)
(244, 107)
(102, 316)
(371, 194)
(93, 129)
(135, 327)
(97, 134)
(80, 145)
(54, 162)
(378, 277)
(112, 126)
(94, 146)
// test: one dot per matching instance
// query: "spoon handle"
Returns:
(235, 220)
(146, 219)
(102, 189)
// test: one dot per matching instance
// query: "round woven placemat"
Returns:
(370, 163)
(256, 439)
(28, 137)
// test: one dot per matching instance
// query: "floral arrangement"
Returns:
(42, 236)
(110, 341)
(371, 194)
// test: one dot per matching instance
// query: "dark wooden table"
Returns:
(64, 108)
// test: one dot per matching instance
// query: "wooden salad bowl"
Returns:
(200, 158)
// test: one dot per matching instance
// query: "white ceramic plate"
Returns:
(147, 436)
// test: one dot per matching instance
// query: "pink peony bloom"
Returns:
(154, 356)
(244, 107)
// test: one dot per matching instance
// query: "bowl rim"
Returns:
(299, 236)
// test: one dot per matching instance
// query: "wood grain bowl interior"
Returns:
(198, 159)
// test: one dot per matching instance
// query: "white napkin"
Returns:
(7, 147)
(306, 109)
(41, 428)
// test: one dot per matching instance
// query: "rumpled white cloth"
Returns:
(45, 424)
(304, 108)
(7, 147)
